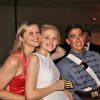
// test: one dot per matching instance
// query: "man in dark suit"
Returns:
(89, 45)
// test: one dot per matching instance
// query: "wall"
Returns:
(60, 16)
(7, 31)
(96, 38)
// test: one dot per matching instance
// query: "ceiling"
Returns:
(52, 3)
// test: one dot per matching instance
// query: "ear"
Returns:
(67, 40)
(20, 38)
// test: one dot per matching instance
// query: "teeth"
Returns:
(35, 40)
(50, 45)
(77, 44)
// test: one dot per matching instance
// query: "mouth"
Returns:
(78, 44)
(50, 45)
(35, 40)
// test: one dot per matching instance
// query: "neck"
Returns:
(43, 52)
(76, 51)
(28, 51)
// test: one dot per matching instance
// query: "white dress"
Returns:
(48, 74)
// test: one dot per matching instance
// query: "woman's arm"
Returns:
(7, 72)
(59, 52)
(6, 95)
(32, 93)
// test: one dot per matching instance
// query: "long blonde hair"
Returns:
(18, 46)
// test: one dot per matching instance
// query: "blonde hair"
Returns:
(18, 46)
(46, 27)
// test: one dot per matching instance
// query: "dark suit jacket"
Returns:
(94, 47)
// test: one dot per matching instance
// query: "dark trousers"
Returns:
(89, 98)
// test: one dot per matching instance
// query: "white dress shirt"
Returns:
(87, 46)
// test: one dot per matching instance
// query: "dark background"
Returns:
(57, 12)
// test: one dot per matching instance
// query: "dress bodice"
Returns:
(49, 74)
(17, 84)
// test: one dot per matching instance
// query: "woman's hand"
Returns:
(67, 93)
(59, 84)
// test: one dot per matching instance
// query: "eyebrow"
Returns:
(74, 34)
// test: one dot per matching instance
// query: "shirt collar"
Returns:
(78, 54)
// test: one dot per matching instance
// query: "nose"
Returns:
(78, 39)
(50, 40)
(35, 35)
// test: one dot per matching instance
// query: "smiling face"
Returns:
(49, 40)
(76, 39)
(31, 36)
(27, 37)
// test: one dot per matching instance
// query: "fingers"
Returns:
(69, 94)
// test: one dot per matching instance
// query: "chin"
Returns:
(36, 45)
(50, 50)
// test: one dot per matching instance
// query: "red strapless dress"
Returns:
(17, 84)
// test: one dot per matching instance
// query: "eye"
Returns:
(46, 37)
(81, 35)
(72, 36)
(30, 33)
(55, 38)
(37, 32)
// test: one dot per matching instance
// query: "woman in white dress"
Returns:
(42, 80)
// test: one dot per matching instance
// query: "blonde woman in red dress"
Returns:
(13, 71)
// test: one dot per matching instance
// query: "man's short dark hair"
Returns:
(72, 26)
